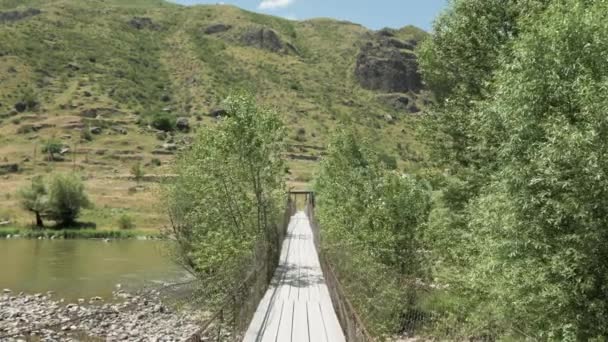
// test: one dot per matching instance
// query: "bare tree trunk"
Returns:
(39, 222)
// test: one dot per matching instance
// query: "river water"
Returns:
(84, 268)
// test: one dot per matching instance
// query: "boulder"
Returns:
(120, 130)
(263, 38)
(398, 102)
(95, 130)
(169, 147)
(217, 28)
(413, 109)
(141, 23)
(387, 69)
(11, 16)
(182, 124)
(218, 112)
(73, 66)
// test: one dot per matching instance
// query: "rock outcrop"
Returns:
(141, 23)
(217, 28)
(387, 69)
(398, 102)
(263, 38)
(182, 124)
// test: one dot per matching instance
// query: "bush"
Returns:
(137, 172)
(163, 121)
(67, 198)
(155, 162)
(85, 134)
(52, 147)
(125, 222)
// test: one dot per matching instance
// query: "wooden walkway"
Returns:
(297, 306)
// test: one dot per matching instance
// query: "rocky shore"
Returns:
(125, 318)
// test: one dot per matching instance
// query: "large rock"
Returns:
(10, 16)
(141, 23)
(387, 69)
(217, 28)
(263, 38)
(398, 102)
(182, 124)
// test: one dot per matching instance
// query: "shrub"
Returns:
(137, 172)
(155, 162)
(85, 134)
(163, 121)
(52, 147)
(125, 222)
(67, 198)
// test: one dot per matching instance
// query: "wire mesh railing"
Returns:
(353, 327)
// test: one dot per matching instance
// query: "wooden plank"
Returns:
(300, 323)
(286, 324)
(332, 325)
(316, 326)
(271, 329)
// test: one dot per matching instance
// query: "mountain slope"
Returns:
(76, 65)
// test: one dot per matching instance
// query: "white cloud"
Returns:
(274, 4)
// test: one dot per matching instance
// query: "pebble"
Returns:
(139, 319)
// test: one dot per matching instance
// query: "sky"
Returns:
(374, 14)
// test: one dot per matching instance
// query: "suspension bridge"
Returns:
(297, 305)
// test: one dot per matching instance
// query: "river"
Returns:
(84, 268)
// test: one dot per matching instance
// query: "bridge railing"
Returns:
(353, 327)
(230, 321)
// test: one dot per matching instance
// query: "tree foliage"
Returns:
(522, 209)
(67, 197)
(228, 194)
(372, 219)
(34, 198)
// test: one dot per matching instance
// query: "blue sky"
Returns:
(374, 14)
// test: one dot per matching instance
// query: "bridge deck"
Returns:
(297, 306)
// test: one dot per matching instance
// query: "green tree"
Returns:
(541, 224)
(34, 198)
(526, 187)
(372, 219)
(228, 195)
(67, 198)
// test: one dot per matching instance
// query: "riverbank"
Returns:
(141, 318)
(28, 233)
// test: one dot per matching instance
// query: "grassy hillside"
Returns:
(113, 65)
